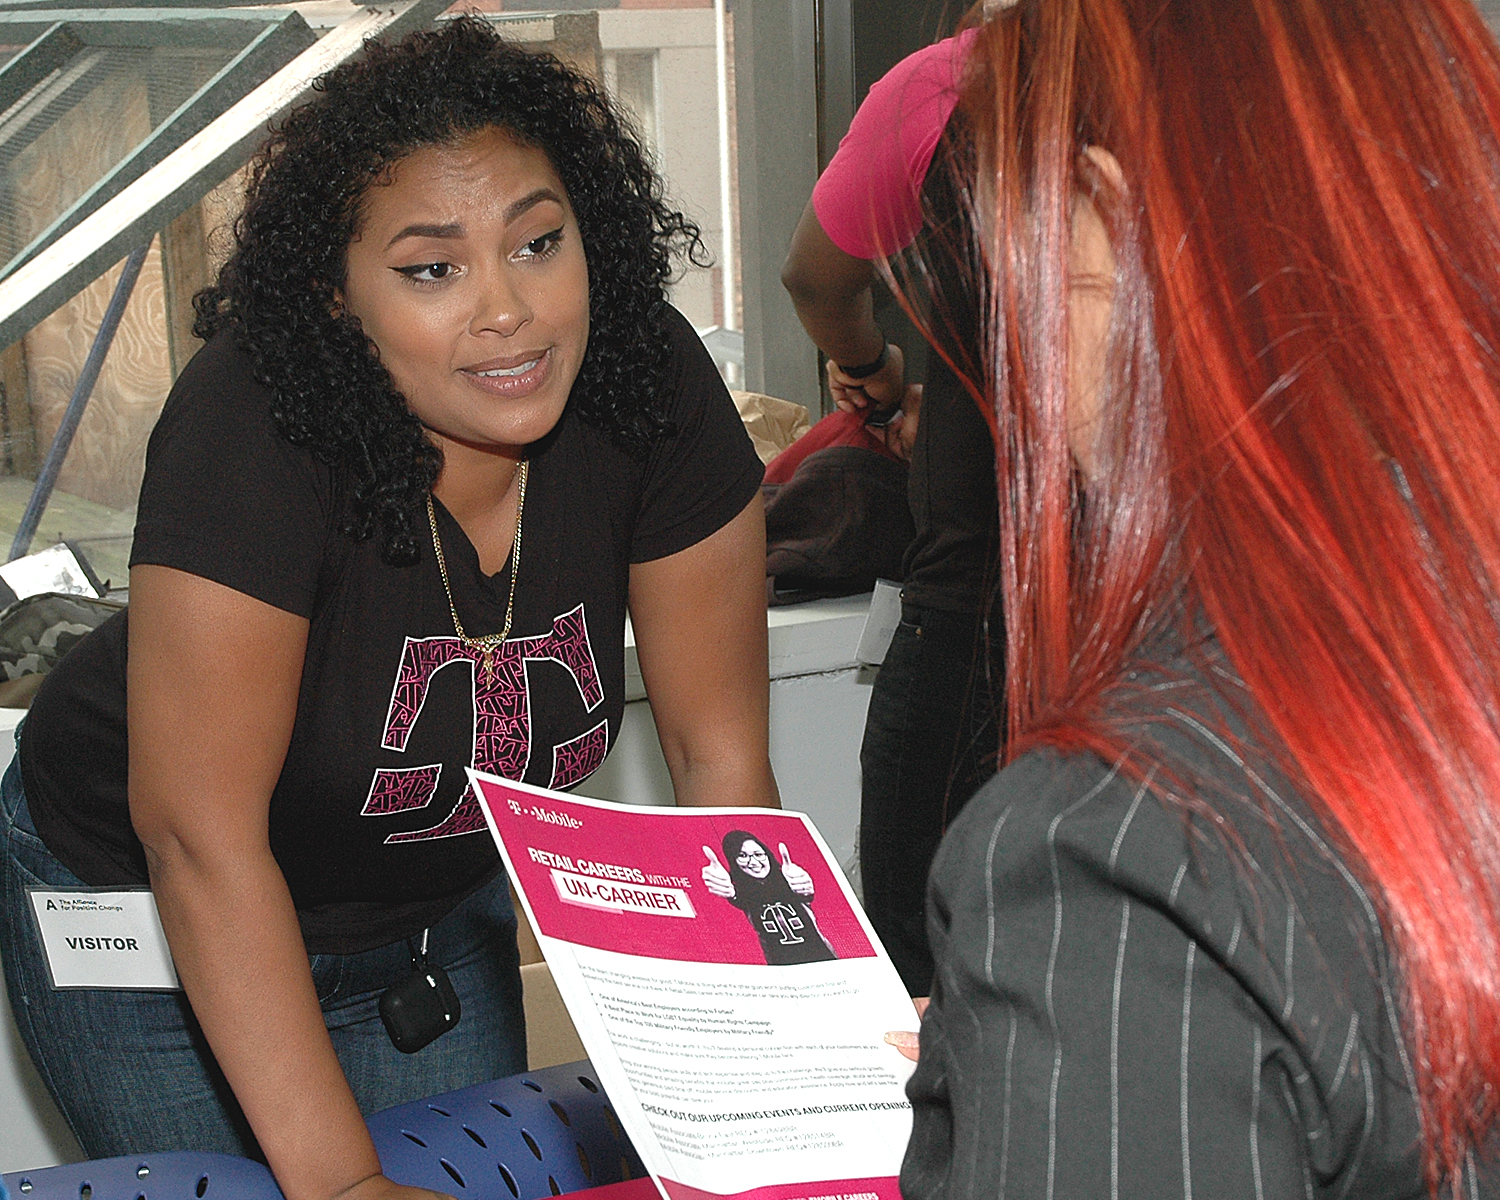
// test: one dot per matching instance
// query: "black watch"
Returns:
(865, 370)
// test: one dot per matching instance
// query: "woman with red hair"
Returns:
(1228, 922)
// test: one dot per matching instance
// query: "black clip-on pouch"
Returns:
(422, 1007)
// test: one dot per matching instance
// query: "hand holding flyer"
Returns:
(734, 1004)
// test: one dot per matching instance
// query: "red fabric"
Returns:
(836, 429)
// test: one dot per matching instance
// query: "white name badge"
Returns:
(96, 939)
(880, 623)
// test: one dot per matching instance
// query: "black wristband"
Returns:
(865, 370)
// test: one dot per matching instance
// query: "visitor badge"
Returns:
(880, 623)
(99, 939)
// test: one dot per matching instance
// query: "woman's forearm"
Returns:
(700, 628)
(832, 293)
(842, 326)
(701, 783)
(213, 683)
(238, 951)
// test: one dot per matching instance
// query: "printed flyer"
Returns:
(728, 988)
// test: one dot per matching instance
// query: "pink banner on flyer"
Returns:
(885, 1188)
(747, 888)
(630, 1189)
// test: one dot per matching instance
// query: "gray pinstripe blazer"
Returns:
(1127, 1006)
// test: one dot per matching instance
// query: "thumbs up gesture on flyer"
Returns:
(715, 877)
(797, 879)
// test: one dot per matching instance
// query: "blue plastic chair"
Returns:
(523, 1138)
(539, 1134)
(182, 1175)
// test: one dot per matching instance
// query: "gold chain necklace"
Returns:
(487, 644)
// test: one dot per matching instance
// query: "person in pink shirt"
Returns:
(930, 736)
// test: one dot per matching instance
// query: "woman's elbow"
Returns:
(171, 851)
(739, 777)
(180, 844)
(800, 282)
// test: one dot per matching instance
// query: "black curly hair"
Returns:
(279, 288)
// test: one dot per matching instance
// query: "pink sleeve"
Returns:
(868, 199)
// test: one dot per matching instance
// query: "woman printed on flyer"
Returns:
(777, 903)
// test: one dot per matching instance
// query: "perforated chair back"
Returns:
(539, 1134)
(181, 1175)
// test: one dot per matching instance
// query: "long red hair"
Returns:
(1301, 430)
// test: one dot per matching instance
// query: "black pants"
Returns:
(931, 739)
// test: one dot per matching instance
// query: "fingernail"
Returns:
(902, 1039)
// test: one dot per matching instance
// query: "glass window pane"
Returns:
(82, 121)
(88, 109)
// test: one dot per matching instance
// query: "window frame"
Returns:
(59, 41)
(145, 205)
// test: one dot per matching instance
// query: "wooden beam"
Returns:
(184, 264)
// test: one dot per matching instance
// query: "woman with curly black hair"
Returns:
(442, 337)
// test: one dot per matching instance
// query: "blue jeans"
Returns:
(931, 739)
(131, 1071)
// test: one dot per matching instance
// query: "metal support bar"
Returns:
(46, 478)
(52, 50)
(206, 159)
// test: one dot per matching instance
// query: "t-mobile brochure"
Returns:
(727, 986)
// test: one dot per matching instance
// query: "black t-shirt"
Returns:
(950, 563)
(788, 931)
(372, 820)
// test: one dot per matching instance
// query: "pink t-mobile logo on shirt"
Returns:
(502, 721)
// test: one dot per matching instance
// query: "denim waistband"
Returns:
(13, 800)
